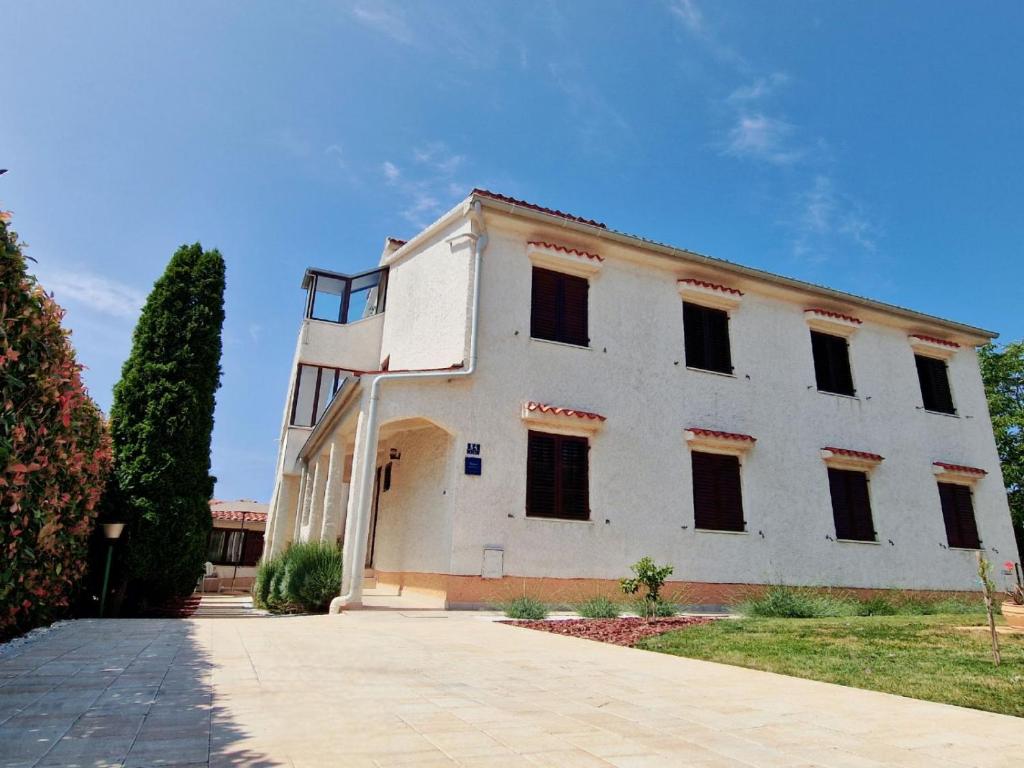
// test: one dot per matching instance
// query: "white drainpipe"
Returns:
(355, 550)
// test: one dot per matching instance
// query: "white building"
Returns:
(522, 400)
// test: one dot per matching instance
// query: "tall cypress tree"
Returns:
(162, 422)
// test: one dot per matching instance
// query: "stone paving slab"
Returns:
(383, 688)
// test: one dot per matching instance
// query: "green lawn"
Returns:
(924, 657)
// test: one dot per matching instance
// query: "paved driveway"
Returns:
(379, 688)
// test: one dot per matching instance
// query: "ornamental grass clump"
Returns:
(526, 609)
(782, 602)
(599, 608)
(312, 575)
(54, 452)
(267, 569)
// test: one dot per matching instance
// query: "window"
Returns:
(717, 499)
(557, 476)
(559, 307)
(934, 378)
(315, 387)
(851, 505)
(341, 298)
(832, 363)
(234, 547)
(706, 336)
(958, 514)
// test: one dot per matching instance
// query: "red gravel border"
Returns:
(627, 631)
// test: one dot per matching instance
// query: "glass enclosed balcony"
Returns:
(339, 298)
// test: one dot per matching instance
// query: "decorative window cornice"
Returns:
(570, 421)
(930, 346)
(709, 294)
(957, 473)
(835, 323)
(847, 458)
(562, 258)
(717, 441)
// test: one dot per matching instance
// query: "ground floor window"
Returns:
(958, 515)
(557, 476)
(234, 547)
(851, 505)
(717, 498)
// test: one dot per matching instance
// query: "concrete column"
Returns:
(305, 488)
(282, 523)
(316, 507)
(352, 568)
(272, 518)
(335, 493)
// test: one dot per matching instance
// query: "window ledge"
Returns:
(838, 394)
(716, 530)
(965, 549)
(713, 373)
(942, 413)
(562, 344)
(558, 520)
(876, 542)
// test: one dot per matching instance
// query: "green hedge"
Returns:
(304, 578)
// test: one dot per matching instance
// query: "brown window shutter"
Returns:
(933, 375)
(717, 495)
(541, 480)
(958, 515)
(574, 310)
(544, 305)
(851, 505)
(832, 363)
(574, 480)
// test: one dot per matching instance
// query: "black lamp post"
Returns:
(112, 532)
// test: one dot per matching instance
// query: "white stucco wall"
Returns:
(427, 305)
(414, 520)
(634, 374)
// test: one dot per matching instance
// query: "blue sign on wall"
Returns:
(474, 465)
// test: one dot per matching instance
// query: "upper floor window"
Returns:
(344, 298)
(706, 337)
(958, 515)
(557, 476)
(315, 387)
(851, 504)
(832, 363)
(558, 310)
(717, 497)
(934, 377)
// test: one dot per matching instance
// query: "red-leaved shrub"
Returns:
(54, 452)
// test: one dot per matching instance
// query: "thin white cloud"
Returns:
(825, 216)
(689, 13)
(760, 88)
(391, 172)
(338, 154)
(763, 138)
(388, 20)
(95, 292)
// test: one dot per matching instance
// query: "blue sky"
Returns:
(874, 147)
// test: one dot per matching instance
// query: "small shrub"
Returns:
(663, 609)
(265, 573)
(877, 606)
(651, 577)
(312, 575)
(599, 608)
(526, 608)
(783, 602)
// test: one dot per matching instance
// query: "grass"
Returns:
(525, 608)
(599, 608)
(920, 656)
(784, 602)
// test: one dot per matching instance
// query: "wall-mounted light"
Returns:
(395, 454)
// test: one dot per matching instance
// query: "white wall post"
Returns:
(335, 492)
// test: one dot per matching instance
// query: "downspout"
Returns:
(355, 555)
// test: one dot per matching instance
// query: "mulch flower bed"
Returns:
(626, 631)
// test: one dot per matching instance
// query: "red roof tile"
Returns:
(535, 207)
(712, 286)
(960, 469)
(556, 410)
(836, 315)
(721, 435)
(564, 249)
(934, 340)
(854, 454)
(238, 517)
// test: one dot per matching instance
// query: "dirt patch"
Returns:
(626, 631)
